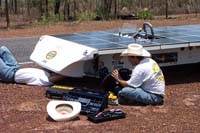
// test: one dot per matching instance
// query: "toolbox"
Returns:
(107, 115)
(92, 101)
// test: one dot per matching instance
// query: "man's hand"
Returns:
(115, 75)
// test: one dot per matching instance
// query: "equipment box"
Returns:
(92, 101)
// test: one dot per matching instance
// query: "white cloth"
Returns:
(148, 76)
(32, 76)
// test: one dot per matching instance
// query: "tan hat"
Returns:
(135, 50)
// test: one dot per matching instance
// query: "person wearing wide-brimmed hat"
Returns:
(146, 84)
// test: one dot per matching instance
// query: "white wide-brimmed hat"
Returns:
(135, 50)
(60, 110)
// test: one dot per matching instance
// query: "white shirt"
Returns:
(32, 76)
(148, 76)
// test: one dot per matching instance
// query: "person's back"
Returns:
(148, 75)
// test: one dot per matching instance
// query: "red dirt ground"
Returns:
(23, 108)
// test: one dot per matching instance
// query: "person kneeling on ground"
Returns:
(145, 84)
(11, 72)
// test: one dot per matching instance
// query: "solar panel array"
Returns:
(170, 36)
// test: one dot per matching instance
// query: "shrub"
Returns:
(86, 16)
(145, 14)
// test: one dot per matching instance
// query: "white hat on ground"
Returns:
(135, 50)
(60, 110)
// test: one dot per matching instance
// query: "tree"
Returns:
(102, 9)
(115, 2)
(66, 10)
(166, 9)
(28, 7)
(15, 2)
(141, 4)
(107, 6)
(7, 14)
(57, 7)
(74, 12)
(41, 11)
(0, 8)
(46, 9)
(151, 4)
(197, 7)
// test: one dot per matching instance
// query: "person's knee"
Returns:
(130, 96)
(157, 100)
(147, 98)
(135, 94)
(126, 92)
(138, 95)
(3, 49)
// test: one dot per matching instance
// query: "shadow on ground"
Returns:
(182, 74)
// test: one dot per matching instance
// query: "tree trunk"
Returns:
(107, 7)
(197, 7)
(0, 8)
(151, 4)
(141, 4)
(15, 2)
(41, 9)
(66, 10)
(57, 7)
(115, 8)
(46, 9)
(7, 14)
(28, 8)
(74, 10)
(10, 3)
(166, 9)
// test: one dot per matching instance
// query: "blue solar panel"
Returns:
(190, 38)
(168, 41)
(105, 46)
(194, 32)
(147, 42)
(110, 39)
(90, 41)
(69, 37)
(112, 31)
(167, 34)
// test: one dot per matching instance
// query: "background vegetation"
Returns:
(45, 11)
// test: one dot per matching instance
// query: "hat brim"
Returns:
(144, 53)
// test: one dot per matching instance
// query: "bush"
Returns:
(145, 14)
(86, 16)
